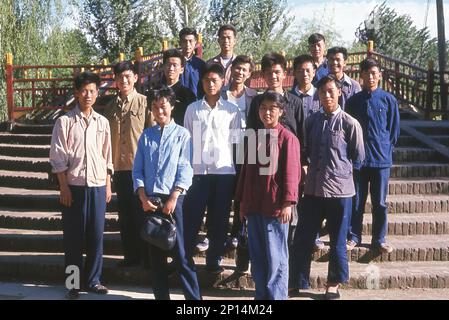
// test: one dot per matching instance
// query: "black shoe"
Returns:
(73, 294)
(98, 289)
(292, 292)
(332, 295)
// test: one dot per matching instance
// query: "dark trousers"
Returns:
(377, 179)
(186, 270)
(214, 192)
(337, 212)
(129, 218)
(83, 223)
(239, 231)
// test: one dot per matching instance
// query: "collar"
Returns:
(309, 93)
(79, 115)
(332, 113)
(206, 105)
(169, 127)
(130, 96)
(345, 80)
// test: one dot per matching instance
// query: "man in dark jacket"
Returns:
(378, 113)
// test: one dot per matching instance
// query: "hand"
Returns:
(286, 214)
(108, 192)
(170, 205)
(147, 205)
(65, 196)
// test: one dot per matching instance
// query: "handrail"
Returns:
(50, 86)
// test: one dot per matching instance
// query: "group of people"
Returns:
(200, 139)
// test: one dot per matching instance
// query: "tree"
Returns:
(120, 26)
(396, 36)
(177, 14)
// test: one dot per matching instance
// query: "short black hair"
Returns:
(214, 68)
(85, 78)
(244, 59)
(187, 32)
(125, 66)
(325, 80)
(173, 53)
(273, 58)
(299, 60)
(335, 50)
(315, 38)
(273, 96)
(369, 63)
(227, 27)
(159, 93)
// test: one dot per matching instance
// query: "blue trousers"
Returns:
(214, 192)
(377, 179)
(268, 251)
(129, 220)
(185, 268)
(83, 222)
(337, 212)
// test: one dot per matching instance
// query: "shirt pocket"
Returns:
(336, 139)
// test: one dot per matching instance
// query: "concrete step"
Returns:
(406, 248)
(434, 130)
(39, 200)
(409, 225)
(40, 220)
(24, 150)
(418, 186)
(419, 169)
(29, 164)
(408, 141)
(443, 139)
(413, 154)
(25, 139)
(37, 266)
(412, 204)
(22, 179)
(23, 128)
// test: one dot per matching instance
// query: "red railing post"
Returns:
(199, 46)
(10, 86)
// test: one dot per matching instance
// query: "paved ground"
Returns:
(30, 291)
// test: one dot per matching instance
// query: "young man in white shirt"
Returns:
(215, 124)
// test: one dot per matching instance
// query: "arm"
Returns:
(394, 121)
(59, 161)
(356, 144)
(107, 152)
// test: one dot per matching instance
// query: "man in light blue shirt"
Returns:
(162, 168)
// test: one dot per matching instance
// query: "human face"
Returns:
(337, 63)
(274, 77)
(161, 110)
(269, 113)
(188, 44)
(328, 95)
(172, 70)
(241, 73)
(227, 42)
(304, 74)
(212, 84)
(87, 96)
(125, 82)
(371, 78)
(317, 50)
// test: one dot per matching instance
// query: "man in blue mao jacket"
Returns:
(378, 113)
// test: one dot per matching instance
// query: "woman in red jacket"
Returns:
(267, 189)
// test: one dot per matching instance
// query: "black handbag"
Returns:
(159, 230)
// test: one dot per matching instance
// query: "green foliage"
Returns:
(396, 36)
(120, 26)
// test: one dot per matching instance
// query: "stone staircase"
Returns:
(418, 228)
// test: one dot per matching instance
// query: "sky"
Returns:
(348, 14)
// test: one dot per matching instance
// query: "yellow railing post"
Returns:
(121, 57)
(9, 59)
(164, 45)
(138, 54)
